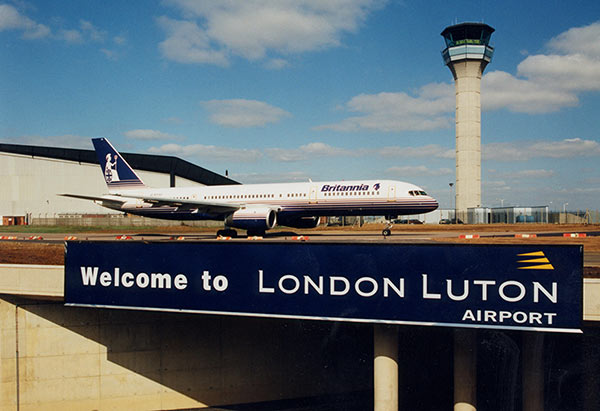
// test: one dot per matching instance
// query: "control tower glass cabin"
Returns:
(467, 41)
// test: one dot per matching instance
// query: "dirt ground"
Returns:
(18, 252)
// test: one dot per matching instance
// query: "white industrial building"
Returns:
(31, 177)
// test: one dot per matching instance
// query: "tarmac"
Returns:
(591, 257)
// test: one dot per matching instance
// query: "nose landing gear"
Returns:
(388, 228)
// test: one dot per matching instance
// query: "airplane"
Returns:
(255, 208)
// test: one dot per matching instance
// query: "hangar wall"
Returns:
(29, 185)
(57, 357)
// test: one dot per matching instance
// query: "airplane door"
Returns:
(392, 193)
(312, 197)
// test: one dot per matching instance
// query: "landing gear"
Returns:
(256, 233)
(227, 232)
(388, 228)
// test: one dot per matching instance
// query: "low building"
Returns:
(31, 177)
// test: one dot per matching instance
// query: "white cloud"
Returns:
(173, 120)
(255, 29)
(572, 72)
(207, 152)
(243, 113)
(549, 82)
(109, 54)
(292, 176)
(543, 84)
(187, 43)
(71, 36)
(277, 64)
(308, 151)
(536, 174)
(582, 40)
(568, 148)
(520, 151)
(305, 152)
(411, 171)
(502, 90)
(120, 40)
(91, 31)
(11, 19)
(396, 112)
(495, 186)
(429, 151)
(319, 149)
(144, 134)
(505, 152)
(86, 32)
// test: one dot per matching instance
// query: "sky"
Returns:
(291, 90)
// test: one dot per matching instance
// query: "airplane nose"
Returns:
(434, 204)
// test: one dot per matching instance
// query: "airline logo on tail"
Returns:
(110, 169)
(117, 172)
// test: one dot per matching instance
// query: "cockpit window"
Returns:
(417, 193)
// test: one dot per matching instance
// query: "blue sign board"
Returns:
(531, 287)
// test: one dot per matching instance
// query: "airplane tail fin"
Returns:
(118, 174)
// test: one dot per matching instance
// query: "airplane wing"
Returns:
(203, 206)
(200, 206)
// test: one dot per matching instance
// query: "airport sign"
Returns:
(526, 287)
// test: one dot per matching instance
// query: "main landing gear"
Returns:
(227, 232)
(255, 233)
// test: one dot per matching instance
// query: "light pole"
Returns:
(453, 202)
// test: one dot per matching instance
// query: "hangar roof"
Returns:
(173, 166)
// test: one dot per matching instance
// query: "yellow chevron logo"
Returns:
(535, 261)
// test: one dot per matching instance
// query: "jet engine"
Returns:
(253, 218)
(300, 222)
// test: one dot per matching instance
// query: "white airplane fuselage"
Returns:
(288, 200)
(256, 207)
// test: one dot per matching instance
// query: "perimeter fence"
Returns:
(574, 217)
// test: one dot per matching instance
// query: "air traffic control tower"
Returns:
(467, 53)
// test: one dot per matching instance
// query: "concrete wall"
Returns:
(56, 357)
(30, 185)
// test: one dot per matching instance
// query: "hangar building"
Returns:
(32, 176)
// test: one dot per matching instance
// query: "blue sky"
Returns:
(288, 90)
